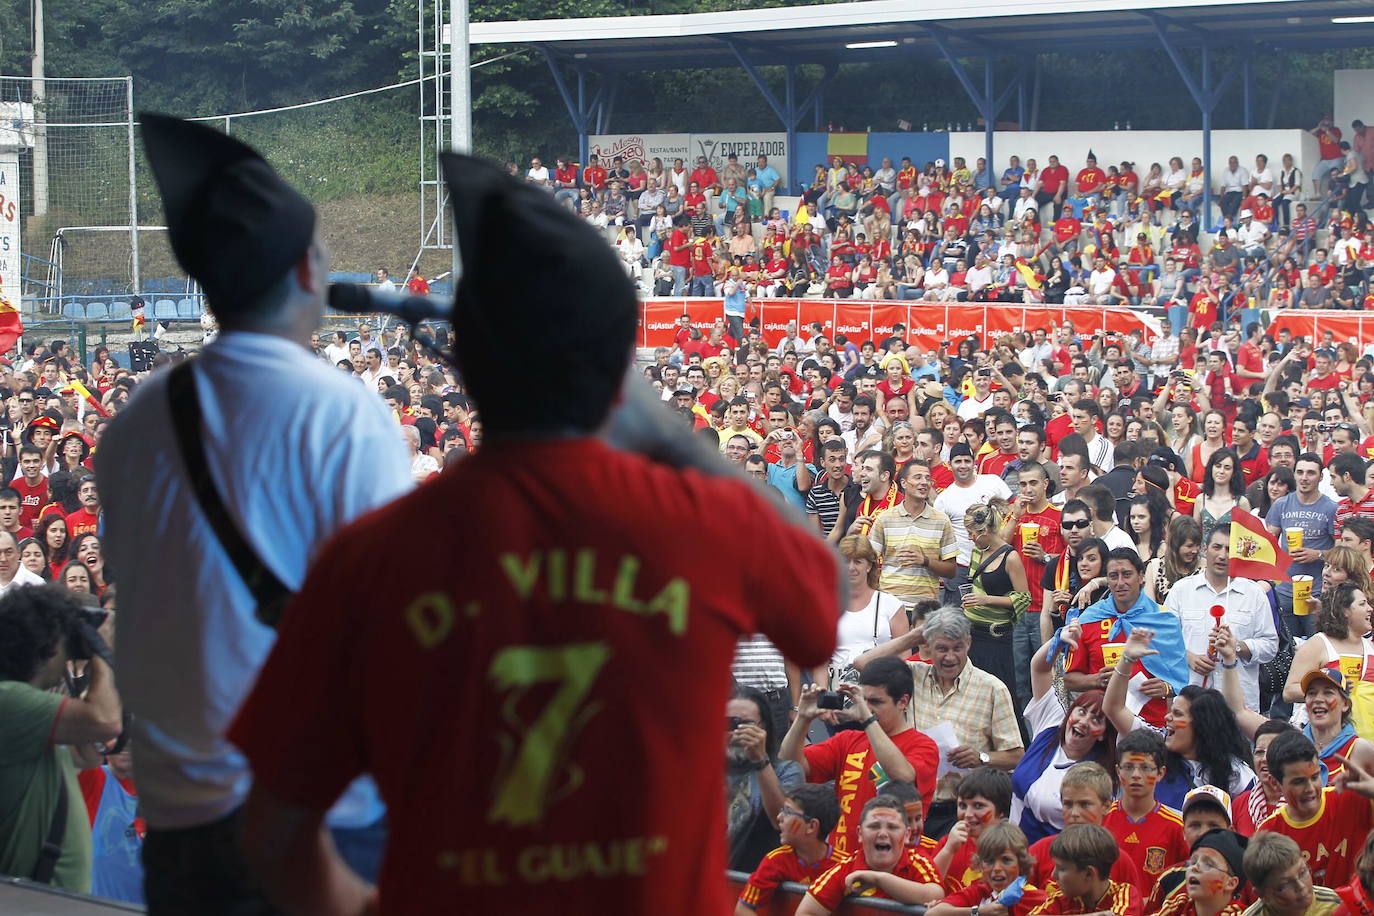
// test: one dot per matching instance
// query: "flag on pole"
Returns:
(139, 320)
(1033, 279)
(1255, 554)
(11, 325)
(75, 385)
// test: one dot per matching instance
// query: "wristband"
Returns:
(867, 722)
(1232, 665)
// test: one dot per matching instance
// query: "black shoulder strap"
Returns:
(51, 850)
(269, 592)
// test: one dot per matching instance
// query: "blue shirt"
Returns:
(1316, 521)
(1013, 174)
(734, 306)
(767, 176)
(297, 449)
(785, 479)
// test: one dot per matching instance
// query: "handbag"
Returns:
(269, 592)
(849, 674)
(1273, 674)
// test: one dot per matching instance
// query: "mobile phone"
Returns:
(733, 722)
(831, 699)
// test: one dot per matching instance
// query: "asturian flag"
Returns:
(1255, 554)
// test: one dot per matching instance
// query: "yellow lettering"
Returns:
(529, 865)
(522, 574)
(673, 601)
(558, 575)
(584, 578)
(476, 867)
(612, 859)
(431, 618)
(621, 592)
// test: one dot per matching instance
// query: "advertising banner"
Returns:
(687, 147)
(1356, 327)
(930, 325)
(9, 226)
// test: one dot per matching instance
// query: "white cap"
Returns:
(1246, 213)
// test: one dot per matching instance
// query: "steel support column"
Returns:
(1247, 77)
(1205, 96)
(580, 111)
(988, 105)
(788, 110)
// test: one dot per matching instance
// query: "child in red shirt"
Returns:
(1150, 834)
(809, 812)
(1083, 858)
(984, 797)
(1003, 857)
(884, 867)
(1085, 796)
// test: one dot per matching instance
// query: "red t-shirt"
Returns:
(702, 250)
(1330, 382)
(81, 522)
(594, 177)
(996, 462)
(704, 178)
(1332, 839)
(942, 476)
(839, 277)
(678, 258)
(832, 887)
(1124, 870)
(1056, 430)
(1152, 844)
(847, 758)
(1121, 899)
(1066, 227)
(1053, 177)
(31, 498)
(961, 871)
(1087, 659)
(899, 392)
(418, 285)
(1329, 142)
(980, 891)
(1255, 463)
(783, 864)
(565, 177)
(1051, 539)
(1090, 178)
(557, 622)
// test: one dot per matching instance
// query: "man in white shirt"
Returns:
(1040, 349)
(1085, 415)
(337, 350)
(1100, 284)
(1251, 235)
(842, 406)
(538, 173)
(1235, 182)
(981, 399)
(1261, 179)
(968, 490)
(1245, 611)
(384, 282)
(1103, 504)
(12, 572)
(189, 640)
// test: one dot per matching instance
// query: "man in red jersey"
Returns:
(31, 485)
(544, 632)
(85, 520)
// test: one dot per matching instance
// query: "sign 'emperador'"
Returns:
(537, 684)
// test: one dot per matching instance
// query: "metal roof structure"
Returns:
(886, 30)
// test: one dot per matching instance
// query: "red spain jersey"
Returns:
(1051, 540)
(961, 871)
(1121, 899)
(981, 892)
(517, 696)
(847, 758)
(1185, 496)
(1182, 905)
(832, 886)
(1152, 843)
(1123, 870)
(1331, 840)
(31, 499)
(996, 462)
(783, 864)
(1088, 659)
(941, 477)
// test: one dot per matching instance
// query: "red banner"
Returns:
(1311, 324)
(928, 324)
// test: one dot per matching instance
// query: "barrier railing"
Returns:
(790, 893)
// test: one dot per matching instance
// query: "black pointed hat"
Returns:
(541, 284)
(235, 225)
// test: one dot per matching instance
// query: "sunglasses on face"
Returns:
(1071, 526)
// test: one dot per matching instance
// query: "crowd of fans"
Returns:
(1030, 680)
(1094, 233)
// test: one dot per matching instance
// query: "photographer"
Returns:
(41, 629)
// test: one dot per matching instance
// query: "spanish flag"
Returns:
(11, 326)
(75, 385)
(1255, 554)
(1033, 279)
(139, 320)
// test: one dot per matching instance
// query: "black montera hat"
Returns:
(235, 225)
(535, 273)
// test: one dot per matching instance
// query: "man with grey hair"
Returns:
(950, 688)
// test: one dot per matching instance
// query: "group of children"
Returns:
(1121, 851)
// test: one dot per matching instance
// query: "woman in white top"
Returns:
(870, 617)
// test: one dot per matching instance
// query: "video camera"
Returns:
(83, 636)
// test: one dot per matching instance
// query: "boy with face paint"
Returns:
(910, 797)
(1150, 833)
(984, 797)
(1215, 877)
(884, 867)
(1003, 857)
(1204, 808)
(1326, 821)
(1086, 797)
(809, 812)
(1083, 858)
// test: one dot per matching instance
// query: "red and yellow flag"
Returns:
(11, 326)
(1255, 554)
(75, 385)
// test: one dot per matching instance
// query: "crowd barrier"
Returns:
(928, 325)
(790, 894)
(1355, 326)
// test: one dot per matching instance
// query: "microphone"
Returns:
(358, 299)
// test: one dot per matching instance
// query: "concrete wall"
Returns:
(1141, 147)
(1354, 91)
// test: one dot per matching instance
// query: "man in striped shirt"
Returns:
(915, 540)
(834, 496)
(759, 664)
